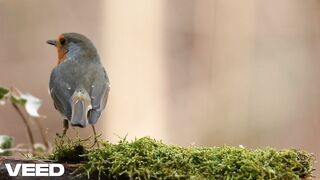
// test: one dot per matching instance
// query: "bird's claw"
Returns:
(96, 142)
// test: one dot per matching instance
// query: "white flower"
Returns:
(2, 102)
(33, 104)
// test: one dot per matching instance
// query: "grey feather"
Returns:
(99, 96)
(80, 102)
(59, 94)
(71, 75)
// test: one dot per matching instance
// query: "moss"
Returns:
(67, 150)
(147, 158)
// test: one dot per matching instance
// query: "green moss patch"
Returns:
(67, 150)
(147, 158)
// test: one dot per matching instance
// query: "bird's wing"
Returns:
(99, 96)
(60, 94)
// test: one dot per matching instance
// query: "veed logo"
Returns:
(36, 169)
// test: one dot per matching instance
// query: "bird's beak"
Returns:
(52, 42)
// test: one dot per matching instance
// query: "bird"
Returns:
(79, 85)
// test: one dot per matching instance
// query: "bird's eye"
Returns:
(62, 41)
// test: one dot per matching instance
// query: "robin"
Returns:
(79, 85)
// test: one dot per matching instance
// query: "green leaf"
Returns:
(6, 142)
(18, 100)
(3, 92)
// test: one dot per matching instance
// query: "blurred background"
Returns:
(208, 72)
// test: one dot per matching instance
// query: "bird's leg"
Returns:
(65, 127)
(95, 137)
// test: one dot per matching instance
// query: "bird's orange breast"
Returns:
(61, 54)
(61, 50)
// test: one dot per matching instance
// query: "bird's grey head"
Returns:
(73, 44)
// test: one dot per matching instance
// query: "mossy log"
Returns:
(147, 158)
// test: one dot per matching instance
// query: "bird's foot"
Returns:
(96, 142)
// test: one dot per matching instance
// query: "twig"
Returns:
(24, 119)
(15, 150)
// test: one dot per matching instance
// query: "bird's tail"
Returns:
(81, 103)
